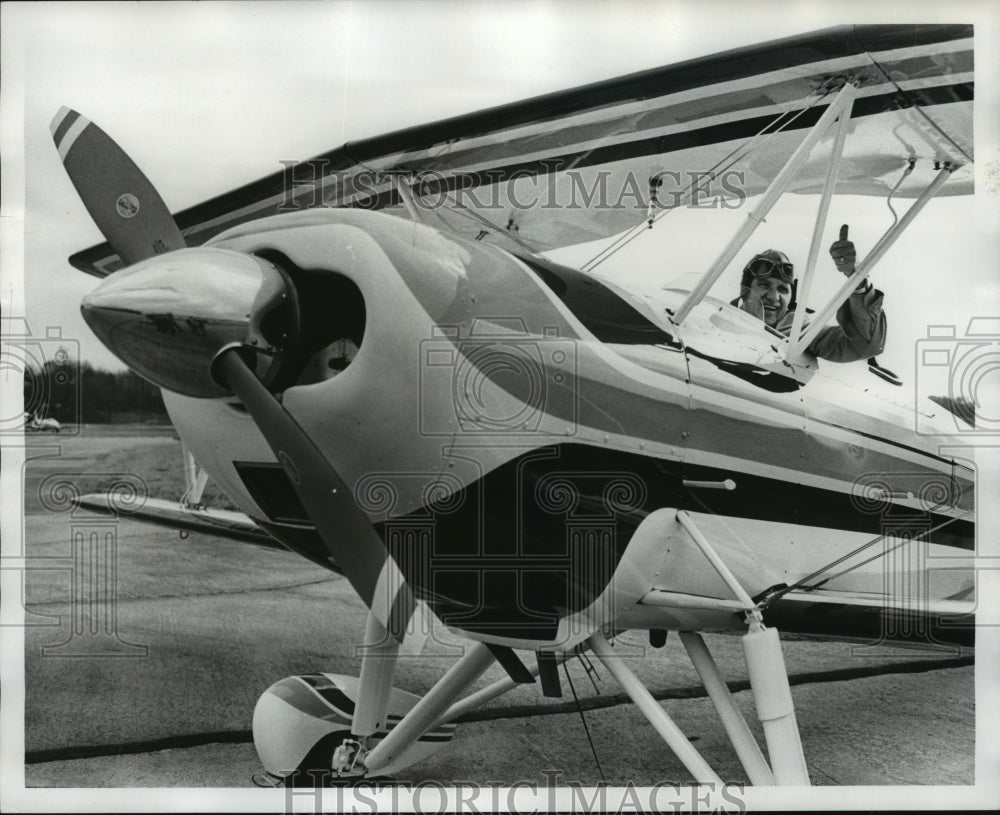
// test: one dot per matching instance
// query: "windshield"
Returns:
(721, 314)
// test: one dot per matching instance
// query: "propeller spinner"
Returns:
(168, 317)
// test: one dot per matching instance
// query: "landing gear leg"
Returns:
(750, 755)
(378, 664)
(435, 702)
(773, 696)
(654, 713)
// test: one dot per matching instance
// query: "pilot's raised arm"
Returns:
(861, 325)
(766, 291)
(860, 329)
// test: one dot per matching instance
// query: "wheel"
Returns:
(316, 767)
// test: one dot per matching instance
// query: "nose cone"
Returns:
(168, 316)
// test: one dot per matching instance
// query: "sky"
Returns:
(207, 96)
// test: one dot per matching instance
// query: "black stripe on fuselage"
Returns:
(539, 537)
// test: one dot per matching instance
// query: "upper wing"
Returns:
(586, 163)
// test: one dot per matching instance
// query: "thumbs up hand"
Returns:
(843, 254)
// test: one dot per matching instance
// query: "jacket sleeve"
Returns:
(859, 333)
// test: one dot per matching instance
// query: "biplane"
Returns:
(374, 357)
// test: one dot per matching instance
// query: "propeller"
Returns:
(355, 545)
(207, 322)
(123, 203)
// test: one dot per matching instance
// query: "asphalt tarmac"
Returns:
(155, 684)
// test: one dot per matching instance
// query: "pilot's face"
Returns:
(773, 294)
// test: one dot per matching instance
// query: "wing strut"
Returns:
(768, 678)
(841, 105)
(405, 192)
(722, 165)
(821, 213)
(820, 319)
(195, 480)
(360, 757)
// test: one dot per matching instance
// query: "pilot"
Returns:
(767, 291)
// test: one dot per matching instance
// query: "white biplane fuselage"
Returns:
(507, 424)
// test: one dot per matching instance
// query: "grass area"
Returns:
(161, 467)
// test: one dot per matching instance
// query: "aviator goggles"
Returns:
(763, 267)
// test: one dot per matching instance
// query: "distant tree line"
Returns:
(92, 395)
(71, 393)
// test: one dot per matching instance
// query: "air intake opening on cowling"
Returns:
(331, 322)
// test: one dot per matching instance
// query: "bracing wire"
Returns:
(736, 154)
(590, 670)
(630, 235)
(888, 201)
(583, 719)
(808, 583)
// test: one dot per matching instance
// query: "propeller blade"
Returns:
(354, 544)
(123, 203)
